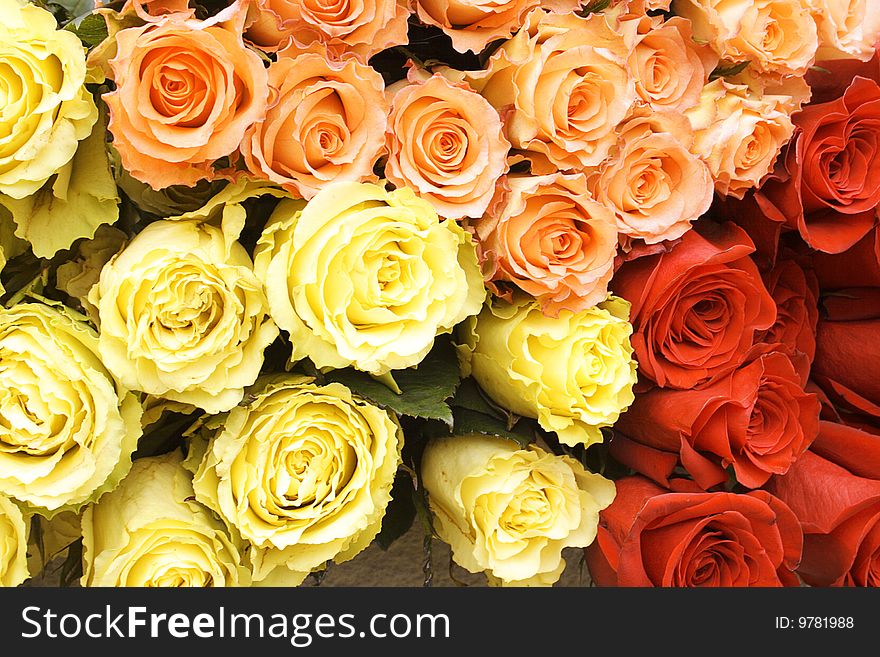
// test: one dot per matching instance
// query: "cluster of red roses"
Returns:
(756, 436)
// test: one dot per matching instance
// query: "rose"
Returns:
(653, 183)
(697, 307)
(47, 110)
(509, 511)
(152, 532)
(183, 316)
(828, 186)
(446, 143)
(77, 276)
(304, 473)
(325, 122)
(185, 93)
(758, 420)
(574, 373)
(474, 24)
(847, 28)
(365, 277)
(13, 544)
(856, 267)
(842, 533)
(776, 36)
(651, 537)
(551, 240)
(739, 133)
(67, 428)
(363, 28)
(669, 67)
(566, 83)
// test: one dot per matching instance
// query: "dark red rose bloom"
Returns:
(697, 308)
(757, 419)
(651, 537)
(828, 183)
(830, 78)
(834, 490)
(856, 267)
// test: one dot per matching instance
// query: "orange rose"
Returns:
(552, 240)
(325, 122)
(654, 185)
(473, 24)
(847, 28)
(186, 91)
(363, 28)
(777, 36)
(566, 83)
(446, 142)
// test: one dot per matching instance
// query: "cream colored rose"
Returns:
(152, 532)
(46, 109)
(776, 36)
(67, 428)
(565, 81)
(574, 373)
(510, 512)
(183, 316)
(739, 133)
(365, 277)
(847, 28)
(653, 183)
(13, 544)
(304, 473)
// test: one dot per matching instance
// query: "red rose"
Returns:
(650, 537)
(757, 419)
(858, 266)
(696, 308)
(829, 185)
(834, 490)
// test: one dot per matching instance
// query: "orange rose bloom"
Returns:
(552, 240)
(446, 142)
(566, 83)
(363, 28)
(654, 185)
(186, 91)
(473, 24)
(325, 122)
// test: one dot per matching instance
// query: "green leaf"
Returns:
(727, 71)
(468, 421)
(76, 7)
(400, 513)
(91, 30)
(424, 389)
(595, 7)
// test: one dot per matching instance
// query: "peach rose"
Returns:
(364, 27)
(777, 36)
(669, 67)
(566, 84)
(653, 183)
(186, 91)
(447, 143)
(473, 24)
(847, 28)
(325, 121)
(552, 240)
(739, 133)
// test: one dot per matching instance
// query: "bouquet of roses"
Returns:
(280, 276)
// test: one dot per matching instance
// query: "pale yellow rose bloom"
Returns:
(13, 544)
(183, 316)
(574, 373)
(365, 277)
(67, 427)
(508, 511)
(847, 28)
(46, 108)
(152, 532)
(304, 473)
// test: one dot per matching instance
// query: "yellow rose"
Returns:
(304, 473)
(847, 28)
(67, 428)
(509, 511)
(46, 108)
(183, 316)
(365, 277)
(13, 544)
(151, 532)
(574, 373)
